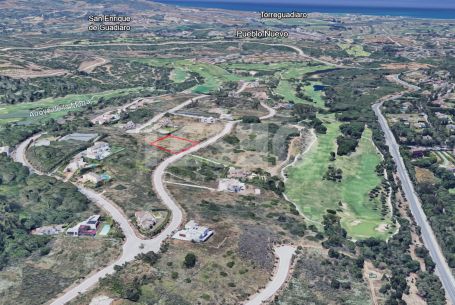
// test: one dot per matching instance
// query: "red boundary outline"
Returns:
(155, 144)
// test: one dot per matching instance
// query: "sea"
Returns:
(425, 13)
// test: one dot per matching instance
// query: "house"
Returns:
(5, 150)
(98, 151)
(208, 120)
(145, 219)
(237, 173)
(92, 177)
(76, 164)
(48, 230)
(74, 231)
(106, 118)
(165, 122)
(129, 125)
(193, 232)
(86, 228)
(93, 221)
(231, 185)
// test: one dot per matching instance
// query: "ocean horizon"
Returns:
(421, 13)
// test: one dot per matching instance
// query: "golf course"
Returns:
(307, 187)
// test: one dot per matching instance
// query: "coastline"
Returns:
(396, 12)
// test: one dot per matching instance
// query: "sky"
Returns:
(363, 3)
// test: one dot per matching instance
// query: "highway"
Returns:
(429, 239)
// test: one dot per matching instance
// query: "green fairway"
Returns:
(213, 75)
(288, 90)
(179, 75)
(21, 111)
(355, 50)
(361, 217)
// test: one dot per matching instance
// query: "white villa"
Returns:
(193, 232)
(208, 120)
(98, 151)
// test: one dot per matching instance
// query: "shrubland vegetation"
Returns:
(30, 201)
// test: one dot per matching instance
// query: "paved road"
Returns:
(18, 154)
(133, 244)
(396, 78)
(429, 239)
(284, 255)
(159, 116)
(271, 111)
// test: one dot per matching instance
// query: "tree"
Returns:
(190, 260)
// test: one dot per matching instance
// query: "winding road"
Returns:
(134, 244)
(285, 255)
(429, 239)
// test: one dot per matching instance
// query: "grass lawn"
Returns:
(314, 196)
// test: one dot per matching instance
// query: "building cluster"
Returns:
(87, 227)
(193, 232)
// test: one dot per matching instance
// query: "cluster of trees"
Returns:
(30, 201)
(11, 135)
(271, 183)
(249, 119)
(438, 203)
(333, 174)
(14, 91)
(308, 113)
(351, 134)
